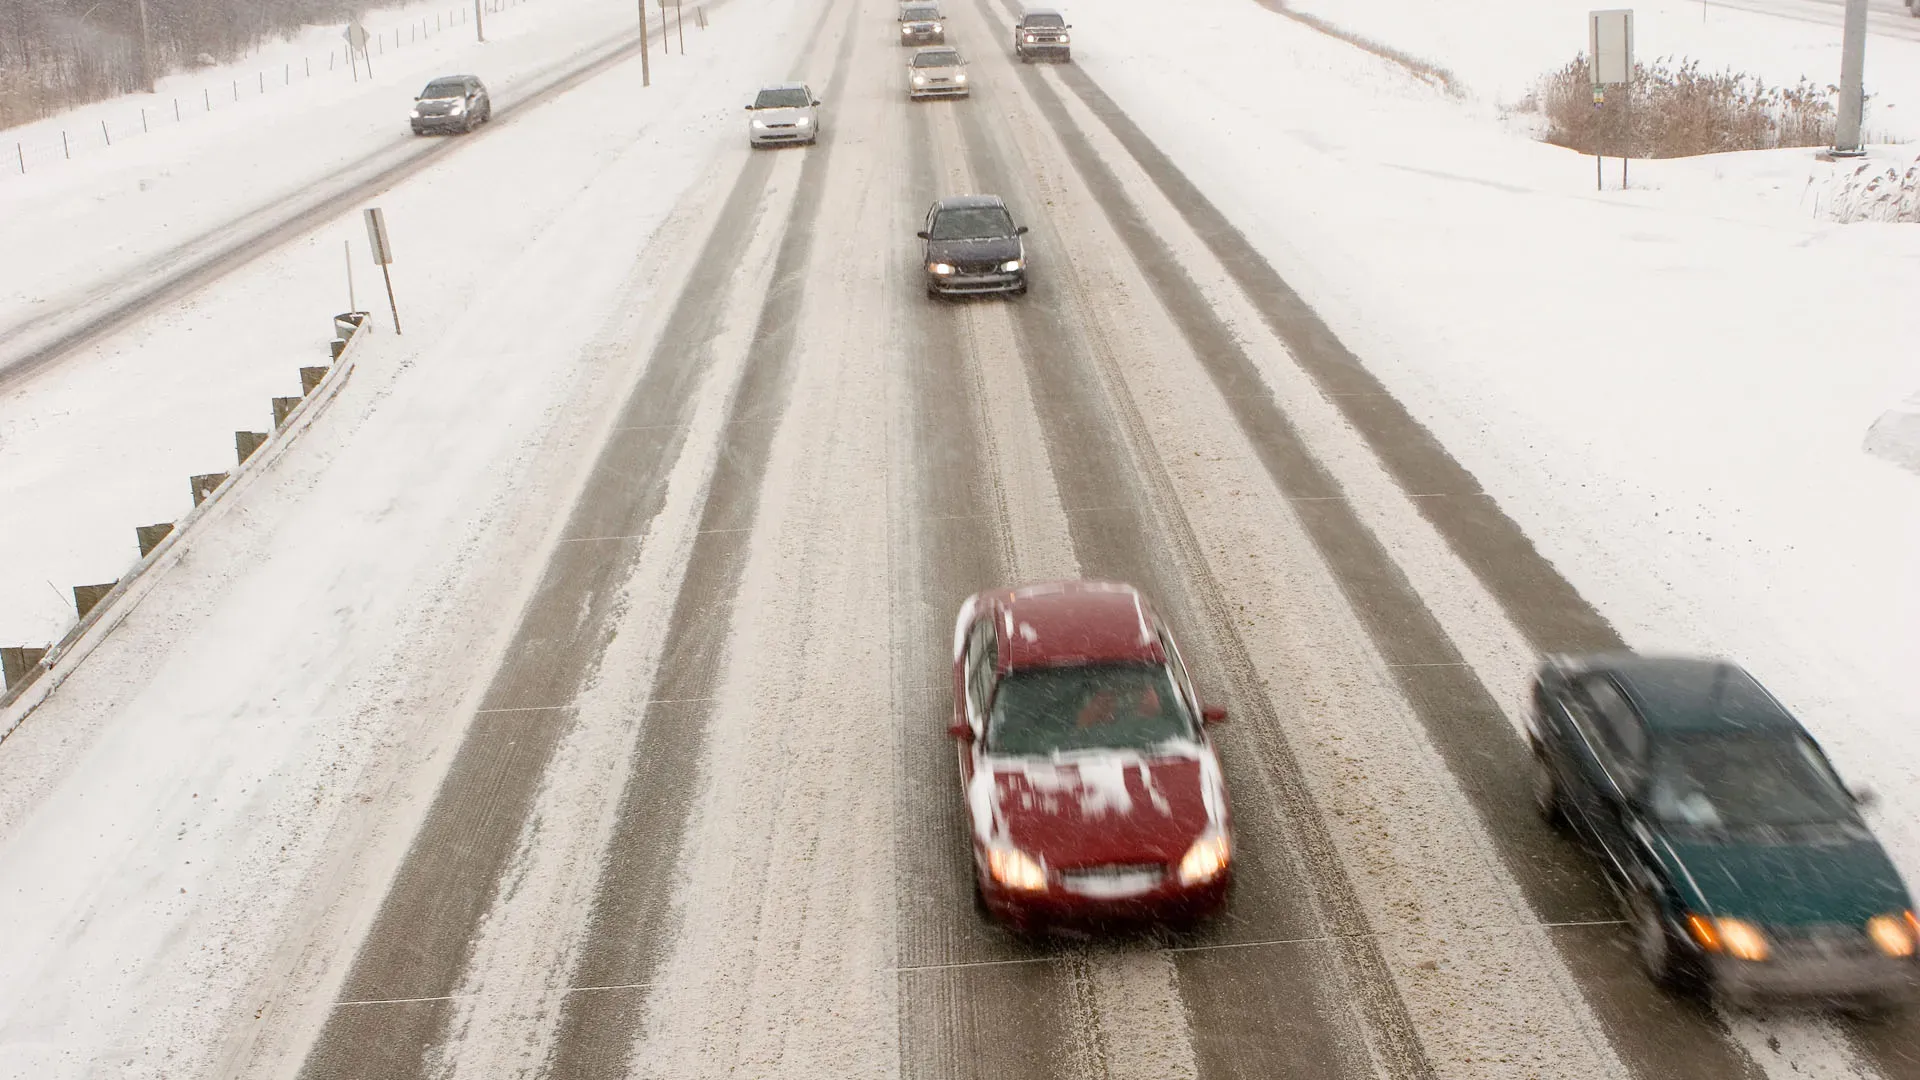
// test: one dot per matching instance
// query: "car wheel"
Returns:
(1548, 799)
(1653, 943)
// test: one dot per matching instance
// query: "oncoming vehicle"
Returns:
(936, 72)
(973, 246)
(1742, 859)
(921, 24)
(784, 113)
(1092, 788)
(451, 103)
(1042, 33)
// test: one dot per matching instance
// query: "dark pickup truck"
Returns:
(1041, 33)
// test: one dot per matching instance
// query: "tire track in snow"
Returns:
(628, 935)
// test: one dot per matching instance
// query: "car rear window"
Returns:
(1045, 711)
(947, 58)
(781, 99)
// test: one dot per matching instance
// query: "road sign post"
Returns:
(1610, 63)
(646, 76)
(1853, 61)
(382, 254)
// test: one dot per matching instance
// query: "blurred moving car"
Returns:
(784, 113)
(920, 24)
(1742, 859)
(1042, 33)
(451, 103)
(936, 72)
(973, 246)
(1092, 786)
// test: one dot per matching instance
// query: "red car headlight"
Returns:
(1016, 870)
(1206, 859)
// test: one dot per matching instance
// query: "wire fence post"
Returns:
(20, 150)
(176, 110)
(143, 120)
(105, 134)
(64, 148)
(206, 98)
(236, 89)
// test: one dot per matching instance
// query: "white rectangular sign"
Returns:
(377, 237)
(1610, 46)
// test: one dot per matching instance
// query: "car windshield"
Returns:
(972, 223)
(944, 58)
(444, 88)
(1745, 780)
(919, 14)
(1053, 21)
(782, 98)
(1047, 711)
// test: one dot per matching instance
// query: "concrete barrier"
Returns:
(44, 670)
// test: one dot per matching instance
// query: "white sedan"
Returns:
(936, 72)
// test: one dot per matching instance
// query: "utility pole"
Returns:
(1853, 59)
(646, 76)
(146, 48)
(478, 29)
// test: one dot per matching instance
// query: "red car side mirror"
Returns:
(960, 729)
(1213, 714)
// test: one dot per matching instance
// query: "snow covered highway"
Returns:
(572, 701)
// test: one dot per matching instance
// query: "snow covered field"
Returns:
(1668, 387)
(106, 442)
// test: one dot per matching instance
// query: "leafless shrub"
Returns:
(1674, 109)
(55, 54)
(1870, 193)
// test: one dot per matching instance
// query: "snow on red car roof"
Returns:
(1076, 622)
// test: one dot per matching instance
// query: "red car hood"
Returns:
(1097, 808)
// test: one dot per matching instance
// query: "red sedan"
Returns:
(1093, 790)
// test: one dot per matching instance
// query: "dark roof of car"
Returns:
(961, 202)
(1691, 694)
(1074, 623)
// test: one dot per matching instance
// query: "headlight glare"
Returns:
(1736, 937)
(937, 28)
(940, 268)
(805, 121)
(1031, 39)
(1016, 870)
(1011, 265)
(962, 77)
(416, 114)
(919, 80)
(1892, 934)
(1205, 860)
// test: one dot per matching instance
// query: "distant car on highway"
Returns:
(973, 246)
(1041, 33)
(451, 103)
(784, 113)
(922, 24)
(937, 71)
(1093, 790)
(1742, 859)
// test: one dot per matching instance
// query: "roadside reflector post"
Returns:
(383, 254)
(646, 76)
(1610, 63)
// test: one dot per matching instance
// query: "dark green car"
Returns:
(1741, 858)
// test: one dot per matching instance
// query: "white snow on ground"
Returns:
(210, 765)
(105, 441)
(1499, 48)
(1667, 387)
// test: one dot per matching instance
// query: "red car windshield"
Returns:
(1045, 711)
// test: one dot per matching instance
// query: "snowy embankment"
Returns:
(192, 831)
(1668, 387)
(105, 441)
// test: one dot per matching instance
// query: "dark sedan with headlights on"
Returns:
(1742, 861)
(973, 246)
(451, 103)
(922, 24)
